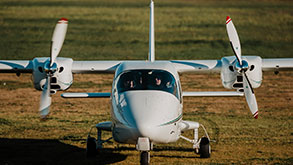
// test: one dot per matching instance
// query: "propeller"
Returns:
(242, 66)
(58, 39)
(50, 67)
(45, 99)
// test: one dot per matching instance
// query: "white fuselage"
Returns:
(146, 112)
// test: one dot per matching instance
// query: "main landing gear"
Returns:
(204, 148)
(93, 145)
(202, 145)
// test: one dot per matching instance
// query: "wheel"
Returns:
(204, 148)
(144, 158)
(91, 149)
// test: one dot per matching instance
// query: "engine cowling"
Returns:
(61, 79)
(232, 79)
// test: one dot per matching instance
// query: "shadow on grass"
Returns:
(175, 156)
(47, 151)
(157, 149)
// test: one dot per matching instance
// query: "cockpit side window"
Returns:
(147, 80)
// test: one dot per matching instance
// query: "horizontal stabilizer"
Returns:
(85, 95)
(213, 94)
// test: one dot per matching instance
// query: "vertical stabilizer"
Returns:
(152, 34)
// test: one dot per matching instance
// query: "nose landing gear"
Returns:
(144, 157)
(144, 146)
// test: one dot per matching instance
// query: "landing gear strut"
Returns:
(93, 145)
(202, 145)
(144, 146)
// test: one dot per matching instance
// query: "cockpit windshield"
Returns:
(147, 80)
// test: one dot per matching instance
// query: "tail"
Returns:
(152, 34)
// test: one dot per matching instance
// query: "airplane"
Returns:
(146, 96)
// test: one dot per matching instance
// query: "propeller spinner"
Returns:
(242, 66)
(50, 67)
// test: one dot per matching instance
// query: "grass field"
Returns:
(110, 30)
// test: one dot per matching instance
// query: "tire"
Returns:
(204, 148)
(91, 149)
(144, 158)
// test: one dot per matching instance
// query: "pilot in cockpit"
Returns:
(158, 81)
(129, 84)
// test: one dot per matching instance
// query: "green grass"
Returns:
(103, 30)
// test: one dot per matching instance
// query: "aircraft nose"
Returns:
(148, 111)
(146, 130)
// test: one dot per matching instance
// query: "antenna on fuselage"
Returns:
(152, 34)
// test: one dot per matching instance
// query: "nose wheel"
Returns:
(144, 158)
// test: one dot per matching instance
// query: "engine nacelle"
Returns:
(61, 79)
(232, 79)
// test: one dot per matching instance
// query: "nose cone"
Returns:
(151, 113)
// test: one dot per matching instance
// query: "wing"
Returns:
(274, 64)
(203, 66)
(182, 66)
(208, 66)
(212, 94)
(16, 66)
(94, 66)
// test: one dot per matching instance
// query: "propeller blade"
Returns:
(45, 101)
(250, 96)
(58, 38)
(234, 39)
